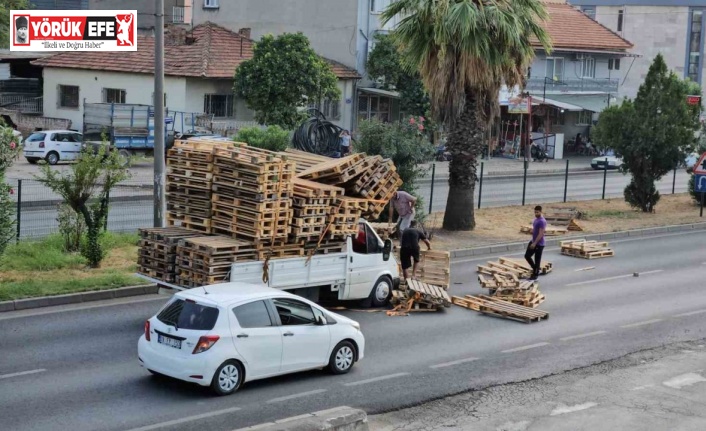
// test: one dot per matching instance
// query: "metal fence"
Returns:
(131, 202)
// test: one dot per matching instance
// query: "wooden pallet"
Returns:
(561, 215)
(544, 268)
(435, 268)
(384, 230)
(574, 226)
(166, 235)
(549, 231)
(586, 249)
(499, 308)
(429, 293)
(331, 168)
(303, 159)
(312, 189)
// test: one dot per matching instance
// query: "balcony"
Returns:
(536, 85)
(178, 14)
(24, 105)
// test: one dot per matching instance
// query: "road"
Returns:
(135, 207)
(76, 368)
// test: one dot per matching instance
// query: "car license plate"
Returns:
(171, 342)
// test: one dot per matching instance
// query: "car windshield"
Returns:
(189, 315)
(36, 137)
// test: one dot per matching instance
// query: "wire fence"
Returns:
(132, 207)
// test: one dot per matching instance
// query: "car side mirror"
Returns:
(321, 321)
(386, 250)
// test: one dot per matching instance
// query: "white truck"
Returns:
(366, 272)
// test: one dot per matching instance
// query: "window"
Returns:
(614, 64)
(377, 6)
(588, 67)
(66, 137)
(590, 11)
(293, 312)
(189, 315)
(374, 107)
(555, 68)
(584, 118)
(177, 14)
(36, 137)
(330, 108)
(210, 4)
(318, 314)
(620, 20)
(218, 105)
(253, 315)
(68, 96)
(694, 49)
(113, 95)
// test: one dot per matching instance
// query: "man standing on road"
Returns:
(404, 203)
(536, 246)
(409, 248)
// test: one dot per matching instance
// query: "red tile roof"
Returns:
(211, 52)
(571, 28)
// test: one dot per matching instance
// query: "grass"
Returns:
(42, 268)
(631, 214)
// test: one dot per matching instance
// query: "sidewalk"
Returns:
(498, 166)
(658, 389)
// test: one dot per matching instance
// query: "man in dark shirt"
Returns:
(536, 246)
(409, 248)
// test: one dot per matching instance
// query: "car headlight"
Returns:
(356, 325)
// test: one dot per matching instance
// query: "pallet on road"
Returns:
(429, 293)
(499, 308)
(586, 249)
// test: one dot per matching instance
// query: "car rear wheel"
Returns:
(342, 358)
(31, 160)
(52, 158)
(228, 378)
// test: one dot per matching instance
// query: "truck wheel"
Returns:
(125, 157)
(382, 290)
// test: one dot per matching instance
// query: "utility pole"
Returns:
(159, 144)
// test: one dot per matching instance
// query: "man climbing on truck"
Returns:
(404, 203)
(409, 248)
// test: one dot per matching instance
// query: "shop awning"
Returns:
(379, 92)
(592, 102)
(559, 104)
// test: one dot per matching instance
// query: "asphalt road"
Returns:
(135, 208)
(76, 368)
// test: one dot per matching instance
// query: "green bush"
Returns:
(273, 138)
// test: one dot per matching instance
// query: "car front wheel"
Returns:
(342, 358)
(228, 378)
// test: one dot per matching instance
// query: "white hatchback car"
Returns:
(53, 146)
(227, 334)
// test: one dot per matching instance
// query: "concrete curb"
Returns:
(550, 242)
(339, 418)
(76, 298)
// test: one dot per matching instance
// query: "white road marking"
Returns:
(376, 379)
(691, 313)
(519, 349)
(617, 277)
(186, 419)
(639, 388)
(99, 304)
(576, 337)
(585, 269)
(646, 322)
(452, 363)
(570, 409)
(22, 373)
(688, 379)
(299, 395)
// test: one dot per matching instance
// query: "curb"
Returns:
(339, 418)
(76, 298)
(519, 246)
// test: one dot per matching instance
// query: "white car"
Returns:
(226, 334)
(690, 161)
(53, 146)
(614, 162)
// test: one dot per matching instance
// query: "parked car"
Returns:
(53, 146)
(227, 334)
(690, 161)
(613, 162)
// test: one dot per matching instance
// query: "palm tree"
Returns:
(465, 50)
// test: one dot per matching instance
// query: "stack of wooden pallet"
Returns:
(189, 181)
(207, 259)
(418, 296)
(252, 191)
(564, 217)
(499, 308)
(312, 206)
(345, 216)
(303, 159)
(586, 249)
(549, 231)
(335, 171)
(503, 279)
(378, 185)
(384, 230)
(157, 254)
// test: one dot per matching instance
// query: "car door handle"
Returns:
(288, 334)
(242, 335)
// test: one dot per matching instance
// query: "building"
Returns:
(671, 27)
(199, 68)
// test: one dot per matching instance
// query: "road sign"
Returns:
(700, 183)
(700, 166)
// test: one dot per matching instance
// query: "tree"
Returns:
(85, 188)
(283, 75)
(464, 51)
(5, 25)
(653, 133)
(8, 153)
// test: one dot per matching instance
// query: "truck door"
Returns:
(364, 265)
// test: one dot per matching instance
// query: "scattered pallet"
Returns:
(574, 226)
(586, 249)
(561, 215)
(435, 268)
(499, 308)
(384, 230)
(549, 231)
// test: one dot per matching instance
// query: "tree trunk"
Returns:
(93, 251)
(465, 143)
